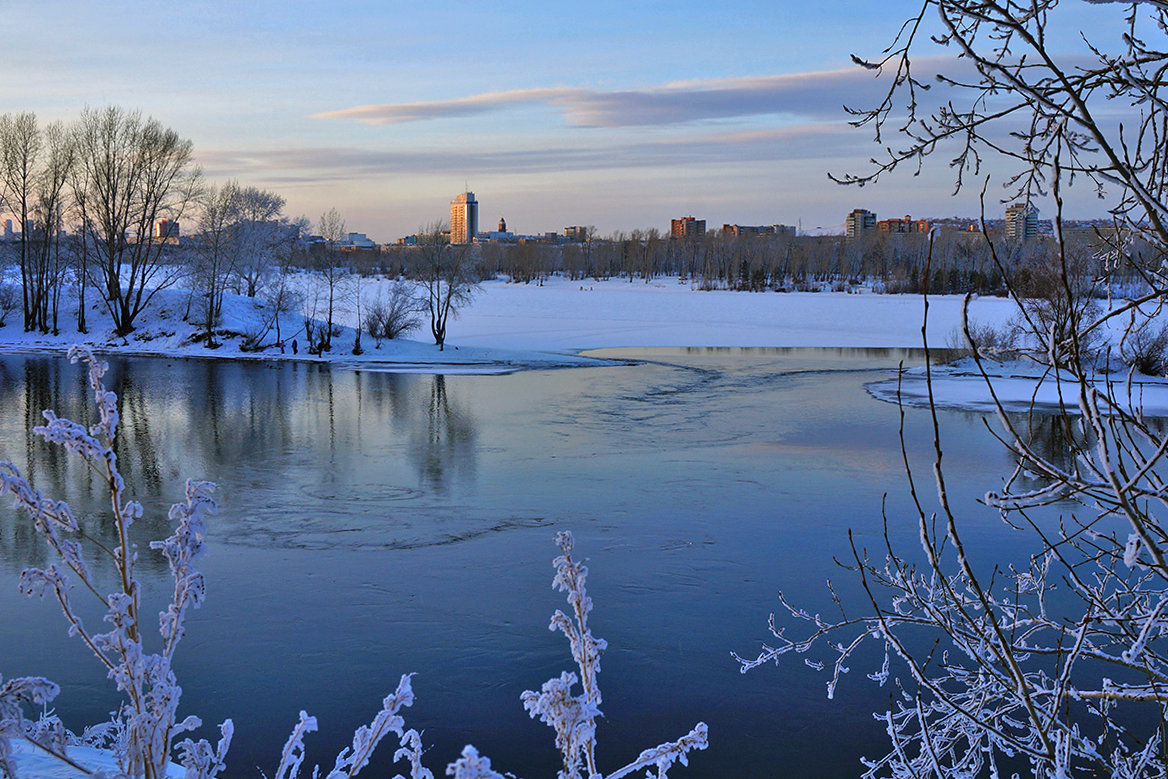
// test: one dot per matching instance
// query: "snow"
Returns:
(32, 762)
(565, 315)
(511, 326)
(1018, 386)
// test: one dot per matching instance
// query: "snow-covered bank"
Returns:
(1018, 386)
(513, 326)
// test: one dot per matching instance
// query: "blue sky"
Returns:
(614, 114)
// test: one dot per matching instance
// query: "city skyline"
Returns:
(613, 115)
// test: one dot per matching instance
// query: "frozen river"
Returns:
(376, 524)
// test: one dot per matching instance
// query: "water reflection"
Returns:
(292, 429)
(443, 447)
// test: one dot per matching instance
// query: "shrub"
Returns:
(1146, 349)
(9, 301)
(983, 341)
(400, 314)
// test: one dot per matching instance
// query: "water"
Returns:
(378, 524)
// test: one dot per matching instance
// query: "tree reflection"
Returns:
(443, 446)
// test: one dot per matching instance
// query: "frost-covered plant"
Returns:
(142, 734)
(147, 718)
(574, 716)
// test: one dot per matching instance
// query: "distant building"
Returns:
(359, 241)
(464, 218)
(906, 225)
(687, 227)
(859, 222)
(166, 230)
(502, 235)
(8, 229)
(1021, 222)
(576, 233)
(737, 230)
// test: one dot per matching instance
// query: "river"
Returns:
(374, 524)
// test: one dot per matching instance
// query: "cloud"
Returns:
(317, 164)
(807, 95)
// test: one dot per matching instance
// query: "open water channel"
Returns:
(375, 524)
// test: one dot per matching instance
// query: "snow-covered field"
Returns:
(563, 315)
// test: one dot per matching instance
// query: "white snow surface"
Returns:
(32, 763)
(567, 315)
(510, 326)
(1018, 386)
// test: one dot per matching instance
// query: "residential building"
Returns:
(464, 218)
(1021, 222)
(859, 222)
(906, 225)
(737, 230)
(166, 230)
(687, 227)
(576, 233)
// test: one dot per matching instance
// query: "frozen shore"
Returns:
(517, 326)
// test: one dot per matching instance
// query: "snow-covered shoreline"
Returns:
(512, 327)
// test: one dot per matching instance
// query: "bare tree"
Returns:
(448, 277)
(213, 258)
(20, 145)
(329, 263)
(1060, 664)
(259, 235)
(134, 172)
(49, 222)
(279, 298)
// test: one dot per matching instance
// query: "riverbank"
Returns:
(510, 327)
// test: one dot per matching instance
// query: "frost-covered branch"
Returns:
(573, 717)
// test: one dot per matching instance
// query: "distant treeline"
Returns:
(961, 261)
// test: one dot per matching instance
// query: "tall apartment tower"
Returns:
(859, 222)
(464, 218)
(1021, 222)
(687, 227)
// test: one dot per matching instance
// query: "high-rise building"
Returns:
(859, 222)
(464, 218)
(576, 233)
(687, 227)
(1021, 222)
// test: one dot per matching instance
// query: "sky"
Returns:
(615, 114)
